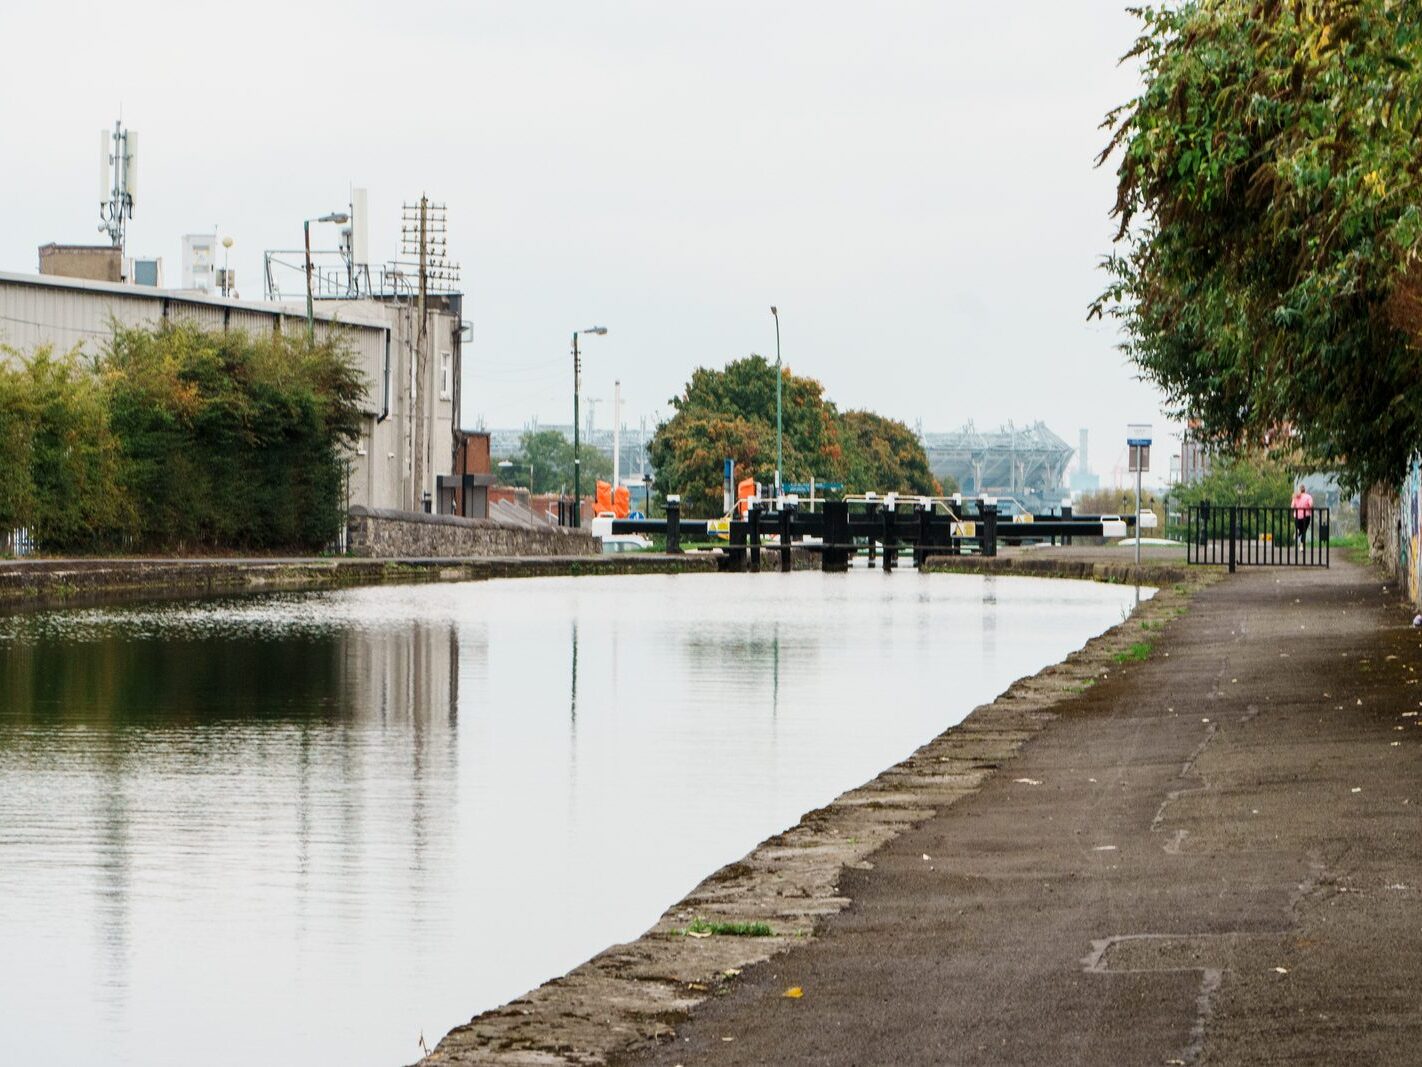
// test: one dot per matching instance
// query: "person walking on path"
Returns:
(1302, 508)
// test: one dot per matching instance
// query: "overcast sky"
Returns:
(911, 182)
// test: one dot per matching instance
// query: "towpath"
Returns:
(1212, 857)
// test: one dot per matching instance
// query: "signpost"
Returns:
(1138, 446)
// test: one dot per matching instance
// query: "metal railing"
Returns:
(1236, 536)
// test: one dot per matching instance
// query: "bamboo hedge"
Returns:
(178, 439)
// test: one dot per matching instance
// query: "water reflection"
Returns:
(320, 825)
(147, 783)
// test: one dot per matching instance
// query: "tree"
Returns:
(1267, 271)
(61, 476)
(885, 455)
(688, 453)
(730, 413)
(551, 455)
(231, 440)
(1246, 480)
(1119, 502)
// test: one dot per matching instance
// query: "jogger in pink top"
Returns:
(1302, 507)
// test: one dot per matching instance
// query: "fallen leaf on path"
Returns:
(1104, 848)
(794, 992)
(1024, 781)
(698, 933)
(1281, 970)
(927, 856)
(1357, 789)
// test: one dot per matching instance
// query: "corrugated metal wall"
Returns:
(32, 315)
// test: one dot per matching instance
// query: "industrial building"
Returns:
(1023, 464)
(382, 335)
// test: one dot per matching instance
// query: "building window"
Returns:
(445, 385)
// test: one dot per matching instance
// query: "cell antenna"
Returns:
(118, 180)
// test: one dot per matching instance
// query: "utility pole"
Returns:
(577, 450)
(421, 344)
(577, 446)
(779, 425)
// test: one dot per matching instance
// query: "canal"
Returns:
(309, 828)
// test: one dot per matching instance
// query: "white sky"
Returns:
(911, 182)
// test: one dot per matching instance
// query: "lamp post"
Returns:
(779, 458)
(226, 270)
(577, 450)
(335, 216)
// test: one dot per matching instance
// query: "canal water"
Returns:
(311, 828)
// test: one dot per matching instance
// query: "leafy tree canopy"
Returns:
(1246, 480)
(551, 456)
(731, 413)
(1266, 270)
(180, 438)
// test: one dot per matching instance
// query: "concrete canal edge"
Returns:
(635, 993)
(51, 583)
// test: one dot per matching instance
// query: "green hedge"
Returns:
(177, 438)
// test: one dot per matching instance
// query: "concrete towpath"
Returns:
(1212, 857)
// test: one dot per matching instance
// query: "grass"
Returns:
(1356, 539)
(701, 926)
(1138, 651)
(1151, 624)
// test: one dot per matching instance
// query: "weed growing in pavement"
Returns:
(703, 928)
(1138, 651)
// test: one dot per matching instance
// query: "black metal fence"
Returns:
(1256, 537)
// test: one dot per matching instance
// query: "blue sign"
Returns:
(804, 487)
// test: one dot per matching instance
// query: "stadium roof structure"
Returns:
(1008, 461)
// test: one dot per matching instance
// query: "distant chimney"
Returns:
(1081, 465)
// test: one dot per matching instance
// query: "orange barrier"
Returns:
(745, 493)
(603, 500)
(621, 502)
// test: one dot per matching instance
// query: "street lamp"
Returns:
(577, 452)
(335, 216)
(779, 458)
(226, 270)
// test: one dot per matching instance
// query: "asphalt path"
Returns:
(1213, 857)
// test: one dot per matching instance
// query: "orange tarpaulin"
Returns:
(621, 502)
(603, 500)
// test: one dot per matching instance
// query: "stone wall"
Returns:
(1395, 531)
(382, 534)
